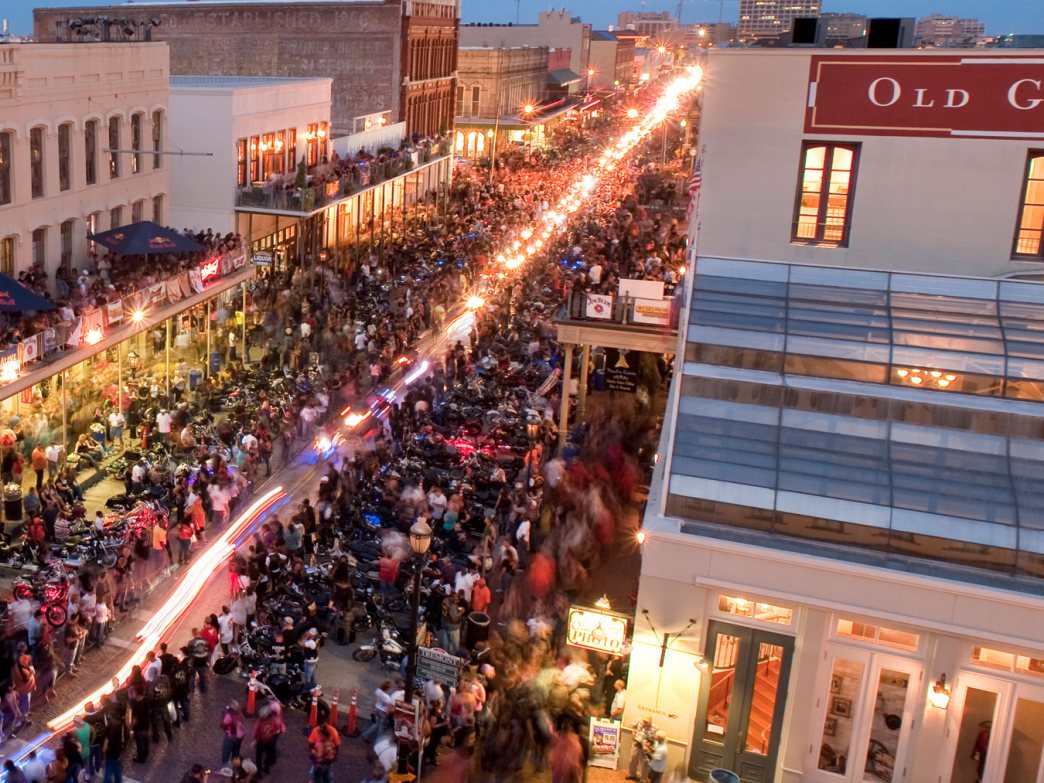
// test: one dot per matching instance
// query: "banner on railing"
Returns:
(652, 311)
(30, 350)
(599, 306)
(114, 312)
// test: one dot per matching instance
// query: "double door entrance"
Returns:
(996, 732)
(742, 702)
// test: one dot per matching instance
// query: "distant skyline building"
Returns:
(646, 22)
(945, 30)
(843, 26)
(773, 18)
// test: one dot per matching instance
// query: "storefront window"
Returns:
(723, 682)
(1027, 742)
(846, 680)
(889, 705)
(973, 739)
(766, 690)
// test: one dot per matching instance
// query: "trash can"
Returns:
(13, 503)
(477, 630)
(722, 776)
(195, 378)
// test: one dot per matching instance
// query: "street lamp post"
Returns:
(420, 540)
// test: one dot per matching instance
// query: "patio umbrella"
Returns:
(16, 298)
(144, 238)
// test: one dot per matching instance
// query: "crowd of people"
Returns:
(529, 550)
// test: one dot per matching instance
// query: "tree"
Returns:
(302, 174)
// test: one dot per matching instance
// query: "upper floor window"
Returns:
(1029, 235)
(157, 209)
(36, 165)
(460, 100)
(241, 163)
(40, 247)
(312, 137)
(476, 95)
(268, 154)
(136, 142)
(115, 217)
(280, 152)
(823, 211)
(138, 211)
(291, 149)
(64, 151)
(157, 137)
(255, 160)
(114, 145)
(6, 142)
(90, 151)
(67, 243)
(7, 248)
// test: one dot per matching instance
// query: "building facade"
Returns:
(651, 23)
(772, 18)
(612, 60)
(841, 28)
(429, 65)
(257, 131)
(942, 30)
(62, 108)
(842, 537)
(392, 57)
(555, 29)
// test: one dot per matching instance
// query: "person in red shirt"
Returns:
(388, 573)
(209, 633)
(481, 596)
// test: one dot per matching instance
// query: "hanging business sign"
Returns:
(595, 629)
(951, 96)
(598, 306)
(621, 370)
(652, 311)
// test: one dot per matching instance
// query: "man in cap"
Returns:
(641, 739)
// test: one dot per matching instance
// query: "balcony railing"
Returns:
(608, 308)
(315, 195)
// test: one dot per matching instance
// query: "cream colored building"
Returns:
(62, 106)
(843, 563)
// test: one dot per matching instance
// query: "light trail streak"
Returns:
(206, 564)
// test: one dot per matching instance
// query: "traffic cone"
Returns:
(313, 715)
(351, 728)
(333, 709)
(251, 704)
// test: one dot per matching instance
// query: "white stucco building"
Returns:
(843, 534)
(250, 128)
(62, 106)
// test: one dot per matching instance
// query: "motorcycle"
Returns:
(387, 644)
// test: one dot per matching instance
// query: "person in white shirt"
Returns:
(219, 500)
(595, 273)
(116, 423)
(163, 422)
(226, 629)
(138, 474)
(53, 453)
(153, 669)
(437, 502)
(522, 534)
(619, 701)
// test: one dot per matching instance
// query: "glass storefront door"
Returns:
(742, 702)
(866, 712)
(996, 731)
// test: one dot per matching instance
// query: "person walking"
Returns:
(323, 744)
(233, 730)
(116, 737)
(267, 731)
(38, 460)
(641, 738)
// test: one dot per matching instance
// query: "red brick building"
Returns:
(429, 64)
(392, 57)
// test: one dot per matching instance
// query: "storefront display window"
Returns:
(1027, 742)
(889, 706)
(835, 750)
(973, 739)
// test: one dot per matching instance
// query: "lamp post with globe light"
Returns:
(420, 540)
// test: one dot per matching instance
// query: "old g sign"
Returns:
(927, 95)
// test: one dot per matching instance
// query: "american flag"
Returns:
(694, 190)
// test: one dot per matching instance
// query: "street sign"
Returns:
(439, 665)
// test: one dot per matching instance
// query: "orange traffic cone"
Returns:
(313, 716)
(351, 727)
(251, 703)
(333, 709)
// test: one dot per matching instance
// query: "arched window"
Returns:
(90, 151)
(157, 137)
(6, 143)
(64, 156)
(136, 141)
(36, 161)
(114, 144)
